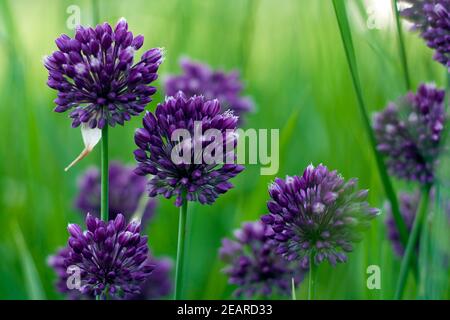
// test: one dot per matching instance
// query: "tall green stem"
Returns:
(181, 247)
(104, 170)
(412, 242)
(344, 27)
(293, 294)
(311, 278)
(401, 45)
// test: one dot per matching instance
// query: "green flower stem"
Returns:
(104, 169)
(293, 294)
(312, 278)
(401, 45)
(181, 247)
(412, 242)
(344, 27)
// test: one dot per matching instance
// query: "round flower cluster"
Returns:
(95, 76)
(199, 79)
(201, 178)
(112, 257)
(157, 285)
(432, 19)
(125, 192)
(317, 215)
(408, 208)
(254, 266)
(409, 133)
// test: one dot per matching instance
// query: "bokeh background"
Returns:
(290, 54)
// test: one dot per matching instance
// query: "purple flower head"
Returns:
(159, 283)
(408, 207)
(58, 263)
(125, 192)
(95, 76)
(112, 257)
(199, 79)
(409, 203)
(432, 19)
(318, 214)
(202, 177)
(409, 133)
(253, 265)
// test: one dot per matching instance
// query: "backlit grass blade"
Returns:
(412, 241)
(344, 27)
(401, 45)
(32, 280)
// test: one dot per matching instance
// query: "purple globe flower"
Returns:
(201, 176)
(432, 19)
(58, 263)
(254, 266)
(157, 285)
(125, 192)
(199, 79)
(408, 208)
(317, 215)
(95, 76)
(409, 203)
(111, 256)
(409, 133)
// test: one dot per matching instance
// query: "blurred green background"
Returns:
(291, 57)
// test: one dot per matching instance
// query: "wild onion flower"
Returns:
(317, 215)
(112, 257)
(202, 178)
(408, 208)
(409, 203)
(199, 79)
(157, 285)
(95, 76)
(58, 263)
(126, 190)
(409, 133)
(253, 265)
(432, 19)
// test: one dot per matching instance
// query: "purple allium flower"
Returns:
(157, 285)
(203, 179)
(408, 208)
(112, 257)
(254, 266)
(318, 214)
(199, 79)
(95, 76)
(125, 192)
(58, 263)
(432, 19)
(409, 133)
(409, 203)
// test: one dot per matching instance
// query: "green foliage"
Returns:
(291, 56)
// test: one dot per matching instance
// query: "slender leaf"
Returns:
(344, 27)
(32, 280)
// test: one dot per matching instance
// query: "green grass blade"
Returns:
(401, 45)
(412, 241)
(344, 27)
(32, 280)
